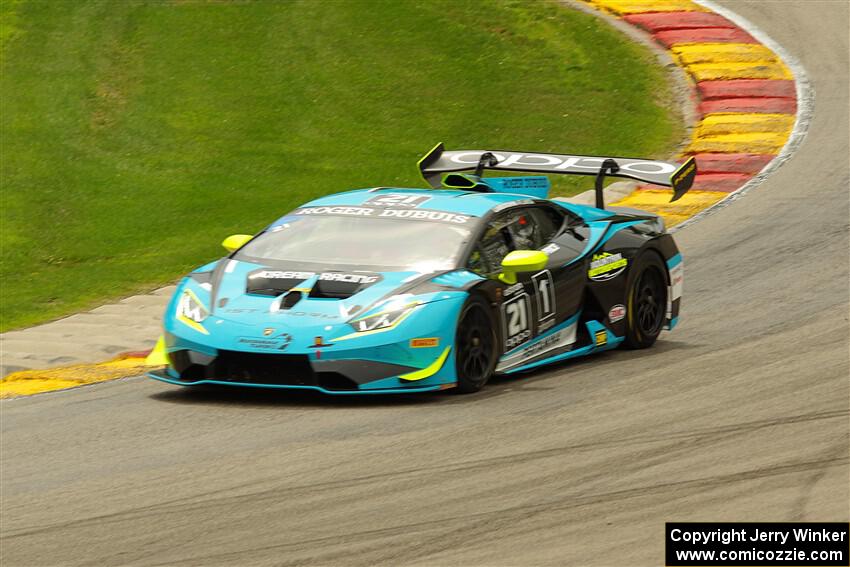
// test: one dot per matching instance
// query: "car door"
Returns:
(529, 307)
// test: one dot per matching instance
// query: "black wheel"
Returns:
(475, 346)
(647, 301)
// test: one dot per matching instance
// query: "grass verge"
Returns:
(134, 136)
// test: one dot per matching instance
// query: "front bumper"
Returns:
(417, 356)
(163, 376)
(298, 371)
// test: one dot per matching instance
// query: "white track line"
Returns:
(805, 109)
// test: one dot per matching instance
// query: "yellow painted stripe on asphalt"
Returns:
(722, 71)
(745, 142)
(737, 123)
(658, 201)
(695, 53)
(625, 7)
(27, 382)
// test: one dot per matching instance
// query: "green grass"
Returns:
(135, 135)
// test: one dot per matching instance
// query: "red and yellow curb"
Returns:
(27, 382)
(745, 93)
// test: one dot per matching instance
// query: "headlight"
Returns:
(190, 308)
(382, 320)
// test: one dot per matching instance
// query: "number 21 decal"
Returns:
(545, 291)
(515, 318)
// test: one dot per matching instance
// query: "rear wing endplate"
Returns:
(679, 177)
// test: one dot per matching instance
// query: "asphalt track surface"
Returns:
(742, 414)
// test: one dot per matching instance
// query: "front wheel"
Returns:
(647, 301)
(475, 346)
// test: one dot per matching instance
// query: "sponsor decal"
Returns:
(545, 288)
(557, 340)
(677, 280)
(516, 321)
(517, 287)
(397, 200)
(190, 307)
(348, 278)
(617, 313)
(280, 342)
(543, 344)
(305, 314)
(280, 275)
(605, 266)
(437, 216)
(550, 248)
(353, 211)
(687, 168)
(323, 276)
(522, 182)
(562, 162)
(425, 342)
(601, 338)
(425, 215)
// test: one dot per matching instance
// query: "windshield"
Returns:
(377, 243)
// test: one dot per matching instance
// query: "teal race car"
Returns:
(389, 290)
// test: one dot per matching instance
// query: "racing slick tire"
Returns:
(646, 301)
(476, 349)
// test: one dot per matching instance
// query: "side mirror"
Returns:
(522, 261)
(235, 241)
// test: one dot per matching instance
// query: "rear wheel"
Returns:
(647, 301)
(475, 346)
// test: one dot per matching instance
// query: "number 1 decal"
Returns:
(545, 291)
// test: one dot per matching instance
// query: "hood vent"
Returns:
(290, 299)
(336, 290)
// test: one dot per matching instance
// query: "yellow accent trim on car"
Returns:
(158, 356)
(419, 163)
(402, 308)
(189, 323)
(395, 324)
(429, 370)
(235, 241)
(601, 338)
(522, 261)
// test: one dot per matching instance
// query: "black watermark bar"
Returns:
(806, 544)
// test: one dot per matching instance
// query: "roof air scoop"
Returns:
(466, 182)
(472, 181)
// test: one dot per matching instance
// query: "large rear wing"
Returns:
(679, 177)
